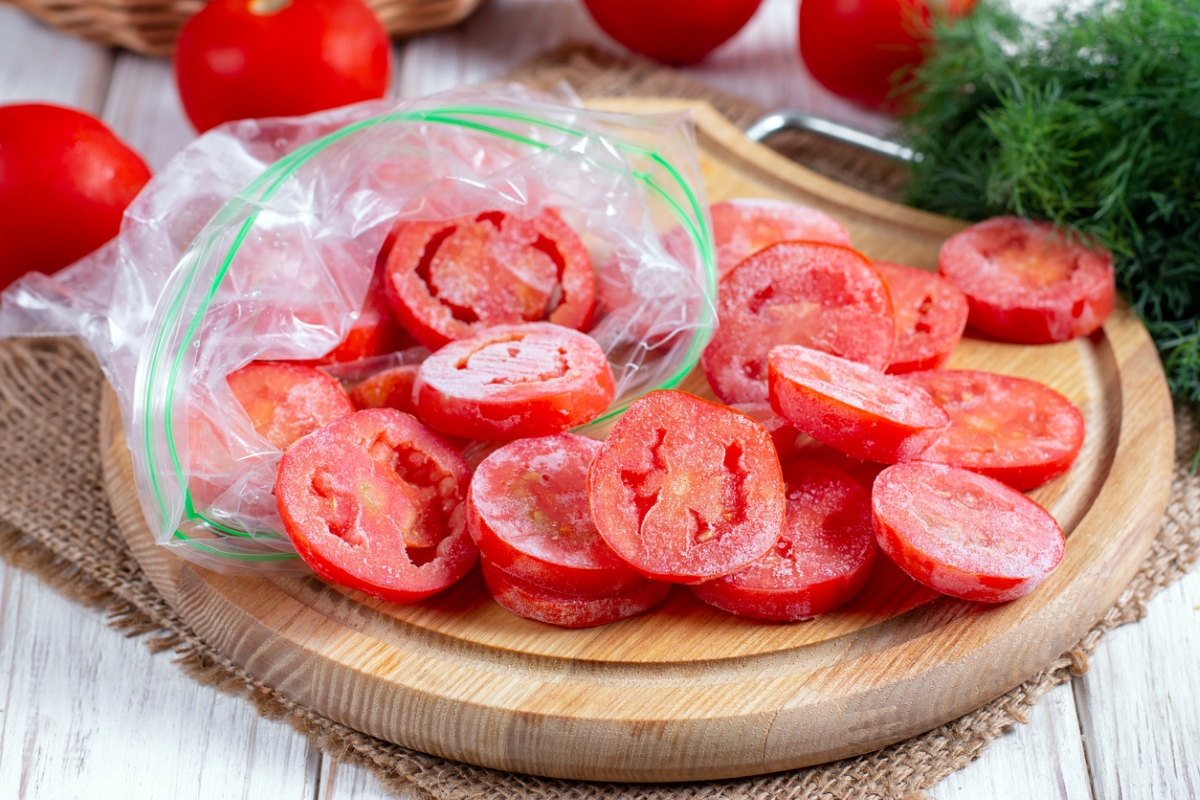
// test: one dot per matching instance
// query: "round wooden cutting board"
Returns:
(687, 692)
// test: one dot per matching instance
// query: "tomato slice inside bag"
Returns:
(375, 502)
(286, 401)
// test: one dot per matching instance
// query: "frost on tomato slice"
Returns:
(820, 296)
(286, 401)
(1015, 430)
(685, 490)
(391, 388)
(1027, 282)
(567, 610)
(514, 381)
(861, 470)
(527, 510)
(822, 559)
(375, 502)
(964, 534)
(931, 314)
(783, 433)
(858, 410)
(448, 280)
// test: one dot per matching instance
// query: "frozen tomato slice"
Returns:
(1015, 430)
(964, 534)
(527, 510)
(783, 433)
(858, 410)
(931, 314)
(569, 610)
(286, 401)
(375, 502)
(449, 280)
(685, 490)
(374, 333)
(1029, 282)
(514, 381)
(821, 296)
(822, 559)
(862, 471)
(391, 388)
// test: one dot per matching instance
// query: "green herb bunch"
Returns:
(1090, 120)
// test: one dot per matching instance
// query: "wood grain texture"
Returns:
(687, 692)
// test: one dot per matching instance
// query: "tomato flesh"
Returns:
(964, 534)
(566, 610)
(286, 401)
(931, 314)
(356, 495)
(514, 381)
(821, 560)
(685, 490)
(783, 434)
(1025, 282)
(821, 296)
(858, 410)
(1015, 430)
(527, 510)
(391, 388)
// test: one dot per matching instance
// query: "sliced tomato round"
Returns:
(685, 490)
(1015, 430)
(375, 502)
(821, 296)
(822, 559)
(964, 534)
(931, 314)
(286, 401)
(391, 388)
(858, 410)
(449, 280)
(1028, 282)
(527, 510)
(514, 381)
(567, 610)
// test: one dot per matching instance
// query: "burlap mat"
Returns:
(55, 521)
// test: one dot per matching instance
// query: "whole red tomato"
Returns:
(65, 180)
(853, 47)
(672, 31)
(238, 59)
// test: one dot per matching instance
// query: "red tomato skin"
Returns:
(783, 434)
(1026, 284)
(242, 59)
(1021, 543)
(1018, 431)
(468, 388)
(685, 444)
(286, 401)
(860, 411)
(391, 388)
(823, 558)
(931, 314)
(565, 610)
(674, 32)
(65, 181)
(361, 449)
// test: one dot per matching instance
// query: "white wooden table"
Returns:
(85, 712)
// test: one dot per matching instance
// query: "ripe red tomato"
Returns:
(237, 59)
(65, 180)
(853, 47)
(672, 31)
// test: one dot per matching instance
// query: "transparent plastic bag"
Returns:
(259, 240)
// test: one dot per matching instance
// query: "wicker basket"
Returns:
(151, 26)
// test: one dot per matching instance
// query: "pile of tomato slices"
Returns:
(844, 436)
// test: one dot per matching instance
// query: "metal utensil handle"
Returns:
(784, 120)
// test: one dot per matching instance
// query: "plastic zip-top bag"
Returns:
(259, 242)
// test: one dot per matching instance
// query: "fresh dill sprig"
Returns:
(1090, 120)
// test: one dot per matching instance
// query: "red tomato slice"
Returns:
(1026, 283)
(286, 401)
(686, 490)
(514, 381)
(931, 314)
(860, 411)
(449, 280)
(527, 510)
(782, 432)
(822, 559)
(964, 534)
(862, 471)
(357, 495)
(391, 388)
(375, 333)
(821, 296)
(566, 610)
(1015, 430)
